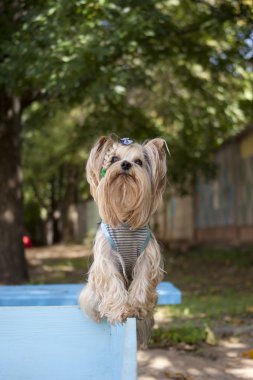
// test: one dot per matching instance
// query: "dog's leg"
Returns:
(147, 274)
(105, 294)
(89, 303)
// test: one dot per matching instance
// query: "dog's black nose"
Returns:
(126, 165)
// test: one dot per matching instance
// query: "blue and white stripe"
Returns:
(129, 244)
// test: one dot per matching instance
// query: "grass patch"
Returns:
(216, 290)
(69, 264)
(241, 258)
(53, 271)
(188, 334)
(209, 307)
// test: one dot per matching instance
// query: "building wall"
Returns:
(88, 219)
(173, 222)
(224, 206)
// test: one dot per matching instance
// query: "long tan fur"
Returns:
(124, 198)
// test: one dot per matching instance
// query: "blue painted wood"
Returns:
(44, 335)
(60, 343)
(125, 362)
(168, 294)
(67, 294)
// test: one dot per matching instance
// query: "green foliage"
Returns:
(188, 334)
(180, 69)
(49, 150)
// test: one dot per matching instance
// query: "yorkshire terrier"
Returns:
(127, 182)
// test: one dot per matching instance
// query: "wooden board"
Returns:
(44, 335)
(67, 294)
(60, 343)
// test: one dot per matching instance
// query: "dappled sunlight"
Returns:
(159, 362)
(59, 263)
(12, 183)
(194, 371)
(166, 314)
(8, 216)
(245, 373)
(232, 354)
(211, 371)
(233, 343)
(60, 268)
(162, 315)
(57, 251)
(173, 364)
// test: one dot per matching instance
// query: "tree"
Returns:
(102, 53)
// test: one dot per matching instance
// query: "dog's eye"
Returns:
(114, 159)
(138, 162)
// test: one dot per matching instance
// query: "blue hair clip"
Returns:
(126, 141)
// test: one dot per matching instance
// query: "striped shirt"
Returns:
(129, 244)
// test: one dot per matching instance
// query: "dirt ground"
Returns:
(222, 362)
(227, 360)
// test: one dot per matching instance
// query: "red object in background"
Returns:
(27, 241)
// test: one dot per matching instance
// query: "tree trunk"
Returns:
(54, 213)
(70, 215)
(13, 268)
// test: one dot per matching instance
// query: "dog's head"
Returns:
(127, 179)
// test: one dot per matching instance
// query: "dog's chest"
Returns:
(129, 244)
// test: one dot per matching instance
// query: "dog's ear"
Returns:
(95, 161)
(157, 143)
(154, 150)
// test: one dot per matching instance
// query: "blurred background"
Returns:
(71, 71)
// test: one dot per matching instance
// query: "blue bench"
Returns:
(44, 335)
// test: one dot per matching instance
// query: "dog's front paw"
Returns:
(95, 316)
(132, 312)
(140, 312)
(119, 317)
